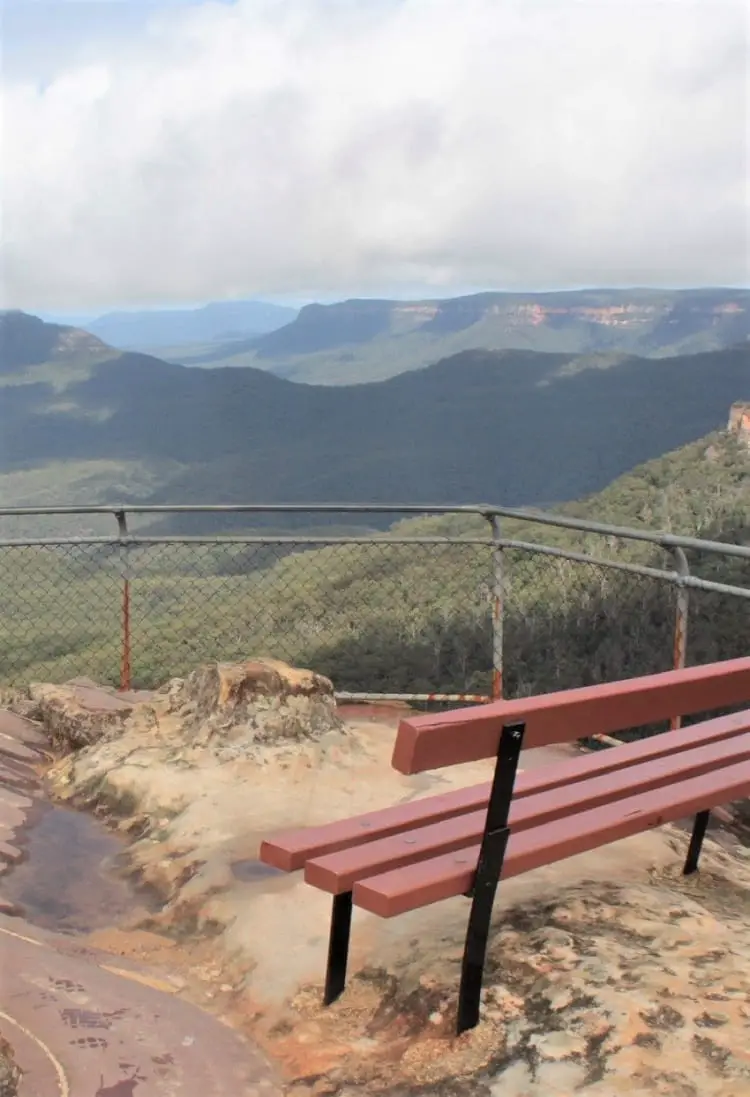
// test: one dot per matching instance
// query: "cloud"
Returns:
(306, 146)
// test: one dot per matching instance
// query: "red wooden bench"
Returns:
(462, 842)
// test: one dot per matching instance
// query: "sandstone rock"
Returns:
(237, 706)
(741, 812)
(17, 727)
(600, 970)
(10, 1075)
(77, 714)
(230, 686)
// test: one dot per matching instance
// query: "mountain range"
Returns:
(370, 340)
(513, 426)
(216, 322)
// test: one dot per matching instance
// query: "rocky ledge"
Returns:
(608, 973)
(261, 702)
(227, 708)
(10, 1075)
(595, 989)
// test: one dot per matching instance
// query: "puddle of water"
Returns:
(249, 871)
(67, 881)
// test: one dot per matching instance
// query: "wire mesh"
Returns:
(60, 613)
(378, 617)
(570, 623)
(718, 624)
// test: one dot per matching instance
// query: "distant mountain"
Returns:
(366, 340)
(219, 321)
(40, 364)
(30, 346)
(515, 427)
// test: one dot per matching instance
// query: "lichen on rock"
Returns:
(234, 707)
(608, 973)
(594, 989)
(10, 1073)
(78, 713)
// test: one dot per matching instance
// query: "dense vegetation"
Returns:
(390, 617)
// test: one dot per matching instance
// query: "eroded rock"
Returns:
(237, 706)
(595, 989)
(10, 1074)
(79, 713)
(609, 973)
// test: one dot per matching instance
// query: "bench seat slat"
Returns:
(290, 850)
(418, 885)
(338, 872)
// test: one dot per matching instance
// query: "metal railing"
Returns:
(420, 613)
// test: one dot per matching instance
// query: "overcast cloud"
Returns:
(305, 147)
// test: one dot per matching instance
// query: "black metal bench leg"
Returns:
(696, 842)
(338, 947)
(487, 878)
(477, 934)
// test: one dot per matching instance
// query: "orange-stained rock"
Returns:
(609, 973)
(237, 706)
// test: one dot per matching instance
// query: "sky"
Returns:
(176, 151)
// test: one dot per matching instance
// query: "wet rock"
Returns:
(17, 727)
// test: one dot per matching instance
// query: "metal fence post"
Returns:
(682, 611)
(498, 607)
(125, 640)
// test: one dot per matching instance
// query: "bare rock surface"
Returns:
(22, 754)
(79, 713)
(608, 973)
(594, 988)
(10, 1075)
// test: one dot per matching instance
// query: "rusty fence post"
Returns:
(498, 607)
(125, 640)
(682, 611)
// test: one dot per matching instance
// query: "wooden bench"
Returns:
(463, 842)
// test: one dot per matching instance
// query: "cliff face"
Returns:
(662, 318)
(739, 421)
(370, 340)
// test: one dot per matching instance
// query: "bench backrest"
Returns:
(468, 735)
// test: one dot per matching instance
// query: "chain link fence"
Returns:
(420, 618)
(571, 623)
(378, 617)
